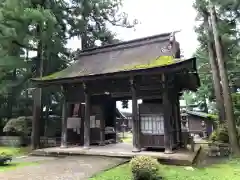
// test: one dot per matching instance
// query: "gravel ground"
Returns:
(67, 168)
(33, 159)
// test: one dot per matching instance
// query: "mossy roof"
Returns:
(145, 53)
(202, 114)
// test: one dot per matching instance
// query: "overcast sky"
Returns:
(156, 17)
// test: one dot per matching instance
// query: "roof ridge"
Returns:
(127, 44)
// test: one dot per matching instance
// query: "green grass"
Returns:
(127, 138)
(12, 166)
(13, 151)
(226, 171)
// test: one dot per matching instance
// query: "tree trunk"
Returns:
(11, 95)
(37, 109)
(35, 136)
(14, 51)
(232, 131)
(215, 70)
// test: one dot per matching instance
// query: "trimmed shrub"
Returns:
(144, 168)
(213, 136)
(4, 159)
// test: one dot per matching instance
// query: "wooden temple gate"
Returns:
(147, 69)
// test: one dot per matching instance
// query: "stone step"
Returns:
(49, 154)
(170, 161)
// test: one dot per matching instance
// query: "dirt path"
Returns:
(68, 168)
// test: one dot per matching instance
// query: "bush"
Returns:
(4, 159)
(213, 136)
(144, 168)
(236, 107)
(221, 134)
(20, 125)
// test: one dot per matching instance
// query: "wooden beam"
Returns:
(75, 93)
(135, 119)
(120, 98)
(145, 85)
(87, 117)
(139, 94)
(105, 88)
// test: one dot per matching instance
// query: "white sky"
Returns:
(156, 17)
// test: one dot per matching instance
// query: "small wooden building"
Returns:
(149, 69)
(121, 121)
(200, 122)
(128, 116)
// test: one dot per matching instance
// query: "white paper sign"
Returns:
(73, 122)
(92, 122)
(97, 123)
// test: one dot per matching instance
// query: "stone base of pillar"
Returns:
(168, 151)
(136, 149)
(102, 144)
(86, 147)
(63, 146)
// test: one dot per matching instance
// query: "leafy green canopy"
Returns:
(33, 38)
(227, 12)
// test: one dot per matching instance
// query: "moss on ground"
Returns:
(13, 166)
(127, 137)
(14, 151)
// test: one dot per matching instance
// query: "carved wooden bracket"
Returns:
(132, 83)
(85, 88)
(170, 81)
(63, 90)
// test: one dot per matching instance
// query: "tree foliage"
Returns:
(228, 18)
(236, 104)
(20, 125)
(33, 38)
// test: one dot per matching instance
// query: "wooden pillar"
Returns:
(87, 118)
(64, 122)
(35, 136)
(102, 126)
(135, 119)
(176, 119)
(82, 116)
(113, 102)
(167, 117)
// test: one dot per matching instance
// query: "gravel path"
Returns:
(68, 168)
(33, 159)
